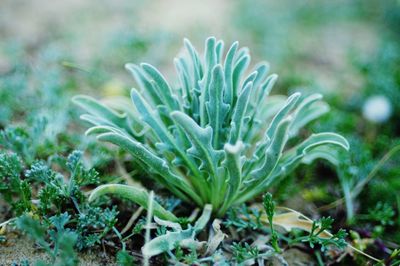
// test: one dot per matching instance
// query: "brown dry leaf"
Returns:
(291, 220)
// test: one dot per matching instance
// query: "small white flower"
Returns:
(377, 109)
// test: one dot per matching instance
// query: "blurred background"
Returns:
(347, 50)
(307, 42)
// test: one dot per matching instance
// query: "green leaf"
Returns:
(197, 67)
(210, 58)
(134, 194)
(293, 157)
(259, 177)
(283, 112)
(169, 241)
(183, 72)
(34, 229)
(167, 141)
(302, 114)
(311, 113)
(274, 151)
(162, 87)
(125, 259)
(322, 152)
(238, 70)
(144, 83)
(216, 108)
(219, 50)
(228, 73)
(262, 70)
(233, 166)
(98, 109)
(201, 139)
(269, 207)
(174, 182)
(239, 114)
(270, 133)
(152, 119)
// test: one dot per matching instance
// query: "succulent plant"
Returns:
(217, 137)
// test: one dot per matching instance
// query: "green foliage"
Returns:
(204, 166)
(250, 222)
(382, 213)
(93, 224)
(315, 238)
(169, 239)
(394, 258)
(13, 88)
(60, 245)
(137, 195)
(269, 206)
(243, 217)
(124, 259)
(15, 191)
(353, 168)
(207, 140)
(58, 191)
(244, 252)
(28, 142)
(56, 198)
(191, 258)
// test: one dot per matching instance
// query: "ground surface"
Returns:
(20, 248)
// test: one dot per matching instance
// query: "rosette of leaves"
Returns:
(217, 137)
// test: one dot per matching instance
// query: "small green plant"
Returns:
(269, 206)
(218, 137)
(234, 218)
(318, 227)
(382, 213)
(244, 252)
(45, 200)
(12, 186)
(60, 246)
(124, 259)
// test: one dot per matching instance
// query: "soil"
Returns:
(19, 248)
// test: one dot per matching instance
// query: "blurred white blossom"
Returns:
(377, 109)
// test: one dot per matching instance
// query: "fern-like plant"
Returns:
(217, 137)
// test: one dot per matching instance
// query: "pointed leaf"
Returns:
(216, 108)
(309, 114)
(290, 104)
(210, 58)
(238, 70)
(295, 156)
(136, 194)
(259, 178)
(197, 67)
(233, 166)
(201, 139)
(239, 113)
(163, 88)
(228, 72)
(273, 152)
(149, 116)
(144, 83)
(158, 165)
(95, 108)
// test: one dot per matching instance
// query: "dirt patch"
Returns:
(20, 248)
